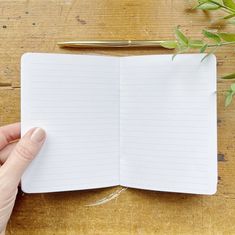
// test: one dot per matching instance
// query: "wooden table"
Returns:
(36, 26)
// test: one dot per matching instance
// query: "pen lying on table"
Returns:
(111, 43)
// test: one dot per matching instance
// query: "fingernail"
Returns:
(38, 135)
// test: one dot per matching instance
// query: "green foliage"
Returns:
(169, 44)
(229, 95)
(208, 5)
(212, 36)
(228, 98)
(229, 16)
(211, 40)
(227, 37)
(181, 38)
(229, 76)
(196, 44)
(203, 48)
(221, 39)
(229, 3)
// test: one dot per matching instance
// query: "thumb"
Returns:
(21, 156)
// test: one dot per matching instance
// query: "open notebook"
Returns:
(141, 121)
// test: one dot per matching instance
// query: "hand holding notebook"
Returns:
(141, 121)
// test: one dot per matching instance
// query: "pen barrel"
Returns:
(111, 43)
(145, 43)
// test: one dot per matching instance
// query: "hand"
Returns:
(14, 159)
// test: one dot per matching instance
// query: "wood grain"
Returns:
(36, 26)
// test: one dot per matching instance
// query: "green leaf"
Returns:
(228, 37)
(207, 6)
(173, 56)
(212, 36)
(233, 87)
(203, 49)
(229, 16)
(205, 57)
(228, 99)
(229, 76)
(208, 54)
(219, 2)
(206, 1)
(181, 38)
(231, 21)
(195, 43)
(169, 44)
(229, 95)
(229, 3)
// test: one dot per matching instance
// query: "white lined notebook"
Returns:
(141, 121)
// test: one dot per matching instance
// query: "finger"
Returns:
(9, 133)
(21, 156)
(5, 152)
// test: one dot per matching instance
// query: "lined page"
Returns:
(168, 123)
(75, 98)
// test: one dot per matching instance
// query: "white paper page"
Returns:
(168, 123)
(75, 98)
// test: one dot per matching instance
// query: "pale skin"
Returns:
(15, 156)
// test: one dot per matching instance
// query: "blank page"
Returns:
(75, 98)
(168, 123)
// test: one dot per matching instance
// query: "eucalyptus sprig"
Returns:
(211, 40)
(227, 6)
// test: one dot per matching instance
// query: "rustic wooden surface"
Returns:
(36, 26)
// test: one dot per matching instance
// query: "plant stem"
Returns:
(227, 11)
(221, 44)
(214, 45)
(223, 6)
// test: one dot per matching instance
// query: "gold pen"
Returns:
(111, 43)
